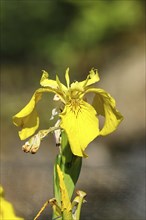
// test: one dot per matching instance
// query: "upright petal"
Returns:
(46, 82)
(67, 78)
(92, 78)
(27, 118)
(105, 105)
(52, 84)
(62, 87)
(81, 126)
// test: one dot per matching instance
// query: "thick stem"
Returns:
(70, 165)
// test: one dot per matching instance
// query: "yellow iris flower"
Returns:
(79, 119)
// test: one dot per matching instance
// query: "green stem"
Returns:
(70, 166)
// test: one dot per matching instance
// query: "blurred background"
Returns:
(53, 35)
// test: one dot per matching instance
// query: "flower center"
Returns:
(75, 105)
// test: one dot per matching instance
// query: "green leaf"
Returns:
(70, 165)
(57, 194)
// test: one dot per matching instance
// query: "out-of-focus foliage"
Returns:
(60, 32)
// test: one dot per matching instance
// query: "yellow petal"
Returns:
(105, 105)
(67, 77)
(52, 84)
(60, 85)
(77, 86)
(92, 78)
(81, 126)
(27, 118)
(6, 209)
(46, 82)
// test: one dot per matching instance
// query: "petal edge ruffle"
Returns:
(105, 105)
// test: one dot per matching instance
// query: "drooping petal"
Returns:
(105, 105)
(81, 126)
(27, 118)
